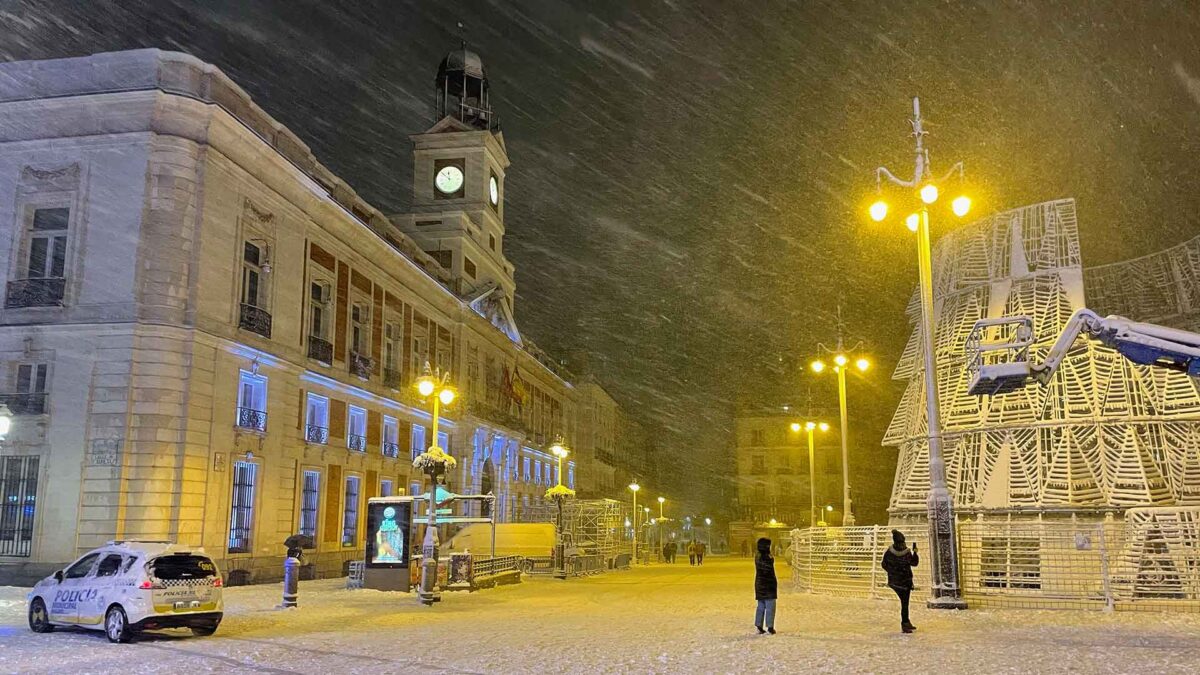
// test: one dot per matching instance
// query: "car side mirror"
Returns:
(58, 576)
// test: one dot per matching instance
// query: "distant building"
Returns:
(207, 337)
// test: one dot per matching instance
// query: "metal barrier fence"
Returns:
(584, 565)
(1151, 561)
(484, 566)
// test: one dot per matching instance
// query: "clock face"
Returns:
(494, 191)
(449, 180)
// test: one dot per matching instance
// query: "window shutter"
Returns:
(337, 418)
(301, 409)
(372, 489)
(333, 505)
(374, 428)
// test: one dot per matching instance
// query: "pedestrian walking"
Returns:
(691, 549)
(701, 547)
(766, 588)
(898, 562)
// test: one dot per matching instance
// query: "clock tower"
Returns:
(458, 190)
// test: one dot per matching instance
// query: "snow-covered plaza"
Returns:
(653, 619)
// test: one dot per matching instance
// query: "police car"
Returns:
(129, 586)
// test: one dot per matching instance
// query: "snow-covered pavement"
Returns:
(658, 619)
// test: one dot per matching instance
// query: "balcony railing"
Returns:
(35, 293)
(25, 404)
(255, 320)
(320, 350)
(391, 378)
(360, 365)
(356, 443)
(315, 434)
(249, 418)
(391, 450)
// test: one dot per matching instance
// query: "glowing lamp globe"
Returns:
(912, 221)
(840, 359)
(708, 521)
(929, 193)
(878, 211)
(862, 364)
(447, 396)
(818, 366)
(828, 507)
(961, 205)
(824, 427)
(425, 385)
(662, 500)
(810, 426)
(795, 426)
(635, 487)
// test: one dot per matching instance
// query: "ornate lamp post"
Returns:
(661, 501)
(434, 463)
(841, 362)
(634, 487)
(811, 427)
(559, 493)
(947, 593)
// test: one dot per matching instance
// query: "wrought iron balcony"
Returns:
(315, 434)
(360, 365)
(320, 350)
(391, 378)
(255, 320)
(356, 443)
(35, 293)
(391, 450)
(25, 404)
(249, 418)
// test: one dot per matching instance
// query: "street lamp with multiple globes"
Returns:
(841, 363)
(434, 462)
(811, 428)
(559, 494)
(947, 592)
(634, 487)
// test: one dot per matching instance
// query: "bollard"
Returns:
(291, 582)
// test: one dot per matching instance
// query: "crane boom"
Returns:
(998, 359)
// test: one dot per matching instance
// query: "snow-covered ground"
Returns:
(658, 619)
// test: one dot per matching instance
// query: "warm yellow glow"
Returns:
(818, 366)
(879, 210)
(840, 359)
(708, 521)
(929, 193)
(862, 364)
(646, 509)
(661, 500)
(447, 395)
(828, 507)
(810, 426)
(912, 221)
(773, 522)
(961, 205)
(425, 385)
(635, 487)
(824, 427)
(559, 450)
(795, 426)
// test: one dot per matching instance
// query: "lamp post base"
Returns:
(947, 592)
(946, 602)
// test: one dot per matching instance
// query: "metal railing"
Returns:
(1151, 561)
(360, 365)
(35, 293)
(356, 443)
(482, 566)
(25, 403)
(255, 320)
(249, 418)
(354, 577)
(586, 565)
(390, 449)
(18, 503)
(320, 350)
(315, 434)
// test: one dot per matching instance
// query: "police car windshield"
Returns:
(182, 566)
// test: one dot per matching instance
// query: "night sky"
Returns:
(688, 181)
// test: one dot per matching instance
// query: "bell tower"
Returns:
(458, 189)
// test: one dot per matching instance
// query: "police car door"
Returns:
(64, 603)
(98, 589)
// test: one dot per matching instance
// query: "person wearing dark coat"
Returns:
(766, 588)
(898, 562)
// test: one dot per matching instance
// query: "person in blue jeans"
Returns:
(766, 588)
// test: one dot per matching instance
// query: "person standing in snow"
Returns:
(691, 549)
(745, 548)
(700, 548)
(766, 588)
(898, 562)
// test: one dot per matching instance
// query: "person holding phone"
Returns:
(898, 562)
(766, 588)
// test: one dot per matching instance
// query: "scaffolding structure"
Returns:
(595, 526)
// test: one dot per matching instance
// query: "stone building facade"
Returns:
(209, 338)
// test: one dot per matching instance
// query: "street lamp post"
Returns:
(841, 363)
(947, 592)
(434, 462)
(661, 501)
(559, 494)
(634, 487)
(811, 428)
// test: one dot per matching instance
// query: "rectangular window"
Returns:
(356, 430)
(385, 487)
(537, 472)
(492, 241)
(241, 510)
(360, 329)
(253, 290)
(252, 401)
(414, 489)
(18, 502)
(317, 419)
(417, 440)
(310, 501)
(758, 437)
(528, 477)
(318, 309)
(547, 476)
(30, 390)
(444, 441)
(571, 477)
(392, 336)
(48, 244)
(391, 437)
(757, 465)
(350, 512)
(469, 267)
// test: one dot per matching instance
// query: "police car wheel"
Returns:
(205, 630)
(39, 618)
(116, 625)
